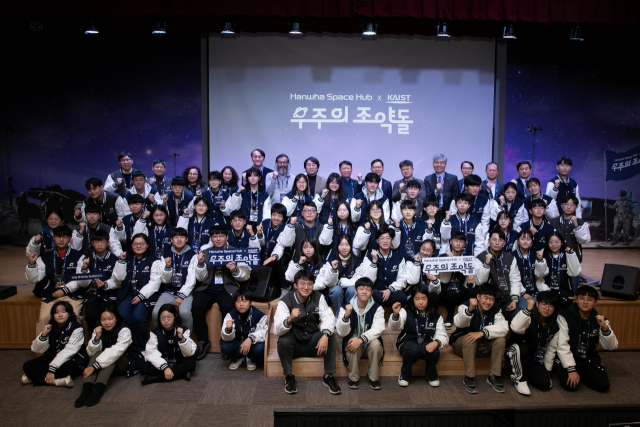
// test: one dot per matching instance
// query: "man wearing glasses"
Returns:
(441, 184)
(120, 181)
(305, 327)
(466, 168)
(279, 182)
(377, 167)
(400, 186)
(257, 157)
(309, 227)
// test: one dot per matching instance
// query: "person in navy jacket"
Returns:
(198, 225)
(538, 226)
(43, 242)
(257, 157)
(350, 187)
(377, 167)
(256, 203)
(441, 184)
(371, 193)
(158, 230)
(131, 223)
(177, 201)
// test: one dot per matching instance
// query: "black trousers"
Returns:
(411, 352)
(525, 368)
(591, 376)
(92, 311)
(188, 364)
(451, 299)
(38, 368)
(202, 302)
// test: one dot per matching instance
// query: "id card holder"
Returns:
(218, 278)
(454, 286)
(502, 283)
(420, 339)
(217, 201)
(159, 251)
(582, 348)
(408, 247)
(554, 283)
(176, 280)
(59, 281)
(195, 245)
(171, 363)
(539, 356)
(253, 216)
(482, 346)
(528, 284)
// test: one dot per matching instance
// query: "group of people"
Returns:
(340, 249)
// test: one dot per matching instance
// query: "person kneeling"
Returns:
(361, 326)
(581, 330)
(63, 357)
(535, 345)
(111, 353)
(480, 329)
(243, 333)
(304, 324)
(423, 335)
(170, 349)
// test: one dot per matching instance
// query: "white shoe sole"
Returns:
(236, 365)
(435, 383)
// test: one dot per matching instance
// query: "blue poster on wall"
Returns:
(621, 166)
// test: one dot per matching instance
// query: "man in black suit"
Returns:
(466, 168)
(350, 187)
(441, 184)
(257, 157)
(377, 167)
(400, 186)
(524, 170)
(491, 187)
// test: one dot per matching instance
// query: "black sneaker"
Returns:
(290, 384)
(495, 383)
(96, 394)
(376, 385)
(354, 384)
(470, 385)
(86, 392)
(331, 384)
(201, 351)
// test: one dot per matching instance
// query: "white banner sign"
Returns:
(462, 264)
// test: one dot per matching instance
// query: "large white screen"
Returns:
(447, 90)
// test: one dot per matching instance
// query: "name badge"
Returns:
(159, 251)
(195, 245)
(408, 247)
(554, 283)
(527, 282)
(253, 216)
(218, 278)
(482, 346)
(583, 348)
(59, 280)
(176, 280)
(539, 356)
(502, 283)
(454, 286)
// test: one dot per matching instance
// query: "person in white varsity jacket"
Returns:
(43, 242)
(304, 324)
(480, 328)
(325, 273)
(170, 349)
(422, 335)
(551, 210)
(63, 356)
(111, 353)
(112, 206)
(81, 239)
(243, 333)
(534, 343)
(361, 324)
(561, 186)
(370, 193)
(144, 190)
(120, 180)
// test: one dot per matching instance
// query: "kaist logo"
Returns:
(398, 99)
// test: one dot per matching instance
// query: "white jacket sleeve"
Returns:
(486, 215)
(117, 277)
(280, 325)
(76, 240)
(260, 334)
(154, 281)
(366, 269)
(74, 285)
(574, 268)
(441, 333)
(398, 324)
(355, 212)
(579, 207)
(463, 318)
(33, 246)
(521, 216)
(318, 202)
(326, 236)
(551, 190)
(582, 233)
(499, 329)
(482, 271)
(290, 205)
(122, 208)
(187, 345)
(361, 238)
(113, 353)
(377, 326)
(292, 269)
(230, 335)
(190, 282)
(550, 354)
(396, 213)
(114, 243)
(395, 243)
(35, 272)
(266, 208)
(386, 209)
(343, 326)
(515, 280)
(541, 270)
(234, 202)
(445, 231)
(413, 270)
(110, 184)
(564, 350)
(286, 239)
(153, 355)
(327, 318)
(551, 211)
(40, 344)
(324, 277)
(521, 321)
(608, 339)
(183, 222)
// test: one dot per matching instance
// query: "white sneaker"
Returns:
(64, 382)
(434, 383)
(447, 325)
(25, 379)
(401, 382)
(523, 388)
(235, 365)
(251, 366)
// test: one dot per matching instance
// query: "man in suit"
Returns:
(467, 169)
(377, 167)
(491, 187)
(316, 182)
(524, 170)
(257, 157)
(400, 186)
(350, 187)
(441, 184)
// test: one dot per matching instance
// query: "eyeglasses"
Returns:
(166, 318)
(138, 245)
(308, 211)
(584, 298)
(305, 284)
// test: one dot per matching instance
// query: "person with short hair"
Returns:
(563, 264)
(112, 206)
(480, 329)
(363, 198)
(220, 202)
(466, 169)
(537, 225)
(433, 218)
(422, 335)
(491, 187)
(311, 260)
(411, 194)
(170, 349)
(574, 230)
(562, 186)
(157, 229)
(257, 158)
(504, 222)
(377, 167)
(244, 330)
(198, 224)
(479, 205)
(280, 181)
(523, 169)
(256, 203)
(133, 223)
(81, 238)
(60, 346)
(140, 187)
(365, 239)
(507, 202)
(466, 223)
(120, 181)
(43, 242)
(350, 187)
(229, 179)
(412, 230)
(177, 201)
(305, 325)
(551, 210)
(159, 182)
(531, 264)
(239, 236)
(582, 329)
(308, 227)
(51, 273)
(533, 348)
(316, 182)
(399, 186)
(345, 262)
(443, 185)
(361, 324)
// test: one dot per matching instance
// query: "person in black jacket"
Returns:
(441, 184)
(63, 356)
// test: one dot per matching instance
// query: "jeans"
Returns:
(230, 350)
(337, 297)
(136, 317)
(396, 296)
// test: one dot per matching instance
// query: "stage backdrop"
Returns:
(584, 107)
(339, 97)
(75, 102)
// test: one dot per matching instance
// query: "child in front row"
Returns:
(170, 349)
(244, 330)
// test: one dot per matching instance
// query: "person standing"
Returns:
(440, 183)
(120, 181)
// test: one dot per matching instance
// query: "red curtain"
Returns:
(620, 12)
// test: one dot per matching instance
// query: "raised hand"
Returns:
(240, 189)
(179, 331)
(367, 225)
(98, 332)
(146, 214)
(396, 309)
(347, 310)
(324, 193)
(249, 228)
(430, 223)
(447, 215)
(472, 304)
(574, 220)
(489, 185)
(533, 230)
(359, 177)
(293, 220)
(167, 261)
(165, 197)
(244, 177)
(222, 204)
(231, 266)
(152, 181)
(302, 260)
(358, 203)
(186, 211)
(439, 188)
(416, 258)
(539, 254)
(275, 175)
(259, 229)
(77, 213)
(47, 329)
(501, 198)
(556, 183)
(488, 258)
(201, 258)
(85, 263)
(397, 223)
(374, 256)
(269, 260)
(530, 304)
(123, 256)
(119, 223)
(198, 192)
(33, 257)
(294, 315)
(81, 227)
(37, 238)
(118, 181)
(401, 186)
(602, 322)
(334, 264)
(230, 324)
(330, 221)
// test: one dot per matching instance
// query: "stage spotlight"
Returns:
(509, 32)
(442, 30)
(159, 28)
(92, 28)
(228, 27)
(369, 29)
(576, 34)
(36, 26)
(295, 28)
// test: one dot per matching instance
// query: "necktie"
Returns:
(440, 191)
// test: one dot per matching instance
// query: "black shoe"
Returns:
(495, 383)
(150, 379)
(96, 394)
(187, 376)
(290, 384)
(331, 384)
(354, 384)
(376, 385)
(201, 351)
(470, 385)
(86, 392)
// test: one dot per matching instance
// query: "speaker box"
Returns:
(621, 281)
(7, 291)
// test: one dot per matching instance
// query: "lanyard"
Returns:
(279, 183)
(426, 321)
(344, 230)
(173, 256)
(409, 228)
(464, 222)
(155, 236)
(64, 261)
(200, 224)
(482, 322)
(240, 323)
(254, 204)
(134, 270)
(555, 268)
